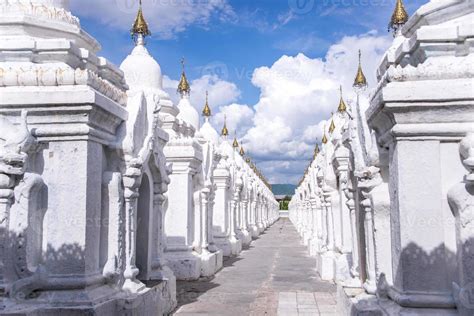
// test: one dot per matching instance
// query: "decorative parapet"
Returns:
(15, 7)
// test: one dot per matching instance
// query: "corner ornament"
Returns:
(461, 202)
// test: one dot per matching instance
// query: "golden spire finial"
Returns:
(325, 139)
(342, 105)
(206, 112)
(360, 82)
(225, 131)
(242, 151)
(140, 27)
(316, 150)
(399, 17)
(235, 144)
(183, 86)
(332, 127)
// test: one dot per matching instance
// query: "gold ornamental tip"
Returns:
(332, 126)
(140, 27)
(316, 150)
(206, 112)
(360, 81)
(325, 139)
(235, 144)
(248, 160)
(399, 16)
(342, 105)
(225, 131)
(183, 86)
(242, 151)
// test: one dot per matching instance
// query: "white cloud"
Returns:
(298, 94)
(165, 17)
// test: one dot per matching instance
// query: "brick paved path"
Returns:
(274, 277)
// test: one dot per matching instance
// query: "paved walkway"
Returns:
(274, 277)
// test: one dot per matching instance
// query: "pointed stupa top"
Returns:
(183, 86)
(206, 112)
(242, 151)
(399, 16)
(332, 127)
(225, 131)
(342, 105)
(140, 27)
(360, 81)
(325, 138)
(316, 150)
(235, 144)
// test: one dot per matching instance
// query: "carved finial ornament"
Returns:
(235, 144)
(140, 27)
(183, 86)
(342, 105)
(206, 112)
(332, 126)
(360, 82)
(325, 139)
(399, 17)
(225, 131)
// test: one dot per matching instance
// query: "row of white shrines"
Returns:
(108, 191)
(387, 204)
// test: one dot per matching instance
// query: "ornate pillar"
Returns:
(354, 268)
(367, 182)
(461, 201)
(13, 162)
(131, 181)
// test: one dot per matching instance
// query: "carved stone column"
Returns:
(461, 201)
(367, 182)
(12, 169)
(354, 268)
(236, 243)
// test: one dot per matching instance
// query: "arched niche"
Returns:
(150, 221)
(26, 225)
(143, 227)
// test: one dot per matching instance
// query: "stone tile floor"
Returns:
(275, 276)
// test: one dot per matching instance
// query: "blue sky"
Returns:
(237, 42)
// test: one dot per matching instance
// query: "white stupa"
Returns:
(141, 69)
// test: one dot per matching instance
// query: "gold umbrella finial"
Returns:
(225, 131)
(316, 150)
(342, 105)
(399, 17)
(360, 82)
(183, 86)
(206, 112)
(332, 126)
(235, 144)
(242, 151)
(325, 138)
(140, 27)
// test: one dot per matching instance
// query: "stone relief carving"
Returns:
(38, 75)
(461, 201)
(16, 7)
